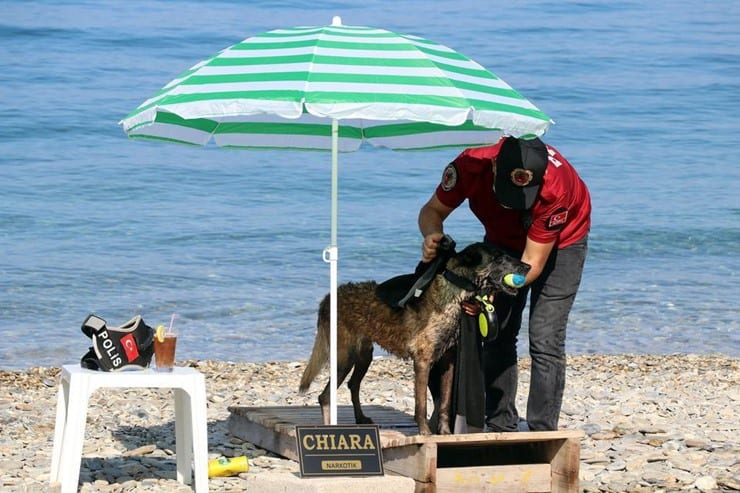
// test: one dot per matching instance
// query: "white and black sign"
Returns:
(339, 450)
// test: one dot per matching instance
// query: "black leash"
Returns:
(487, 321)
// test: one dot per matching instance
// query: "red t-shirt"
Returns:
(561, 212)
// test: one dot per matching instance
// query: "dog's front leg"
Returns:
(447, 377)
(421, 380)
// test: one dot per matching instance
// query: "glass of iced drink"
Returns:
(165, 341)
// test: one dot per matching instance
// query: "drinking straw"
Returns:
(172, 320)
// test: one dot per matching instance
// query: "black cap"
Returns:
(520, 169)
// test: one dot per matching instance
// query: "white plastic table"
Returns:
(191, 437)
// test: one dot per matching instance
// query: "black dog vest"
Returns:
(128, 347)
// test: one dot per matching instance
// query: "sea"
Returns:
(645, 100)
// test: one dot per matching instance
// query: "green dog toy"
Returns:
(514, 280)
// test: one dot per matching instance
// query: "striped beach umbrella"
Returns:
(332, 88)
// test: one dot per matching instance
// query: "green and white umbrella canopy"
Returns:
(331, 88)
(282, 89)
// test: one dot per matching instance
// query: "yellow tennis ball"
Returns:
(514, 280)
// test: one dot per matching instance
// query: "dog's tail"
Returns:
(320, 353)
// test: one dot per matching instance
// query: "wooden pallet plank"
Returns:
(524, 478)
(565, 466)
(278, 440)
(384, 417)
(273, 428)
(418, 462)
(480, 438)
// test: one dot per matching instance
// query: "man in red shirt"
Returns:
(531, 202)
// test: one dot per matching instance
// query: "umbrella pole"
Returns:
(333, 259)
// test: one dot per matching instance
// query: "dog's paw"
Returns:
(364, 420)
(425, 430)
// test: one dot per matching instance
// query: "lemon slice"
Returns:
(160, 333)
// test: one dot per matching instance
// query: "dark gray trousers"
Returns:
(552, 296)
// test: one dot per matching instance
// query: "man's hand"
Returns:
(429, 246)
(470, 307)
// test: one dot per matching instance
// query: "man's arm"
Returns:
(431, 219)
(536, 255)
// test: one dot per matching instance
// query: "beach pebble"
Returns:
(706, 483)
(652, 423)
(143, 450)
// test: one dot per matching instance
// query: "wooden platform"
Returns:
(498, 462)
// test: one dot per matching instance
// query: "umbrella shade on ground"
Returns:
(333, 88)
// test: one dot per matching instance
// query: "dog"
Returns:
(426, 331)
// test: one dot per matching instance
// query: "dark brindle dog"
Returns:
(424, 331)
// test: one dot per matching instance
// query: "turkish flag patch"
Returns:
(129, 346)
(558, 219)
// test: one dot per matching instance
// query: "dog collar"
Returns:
(460, 282)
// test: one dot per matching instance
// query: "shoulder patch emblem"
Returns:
(449, 177)
(558, 219)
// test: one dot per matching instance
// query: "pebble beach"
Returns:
(651, 423)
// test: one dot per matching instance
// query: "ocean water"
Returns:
(644, 95)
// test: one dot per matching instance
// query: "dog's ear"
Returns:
(470, 257)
